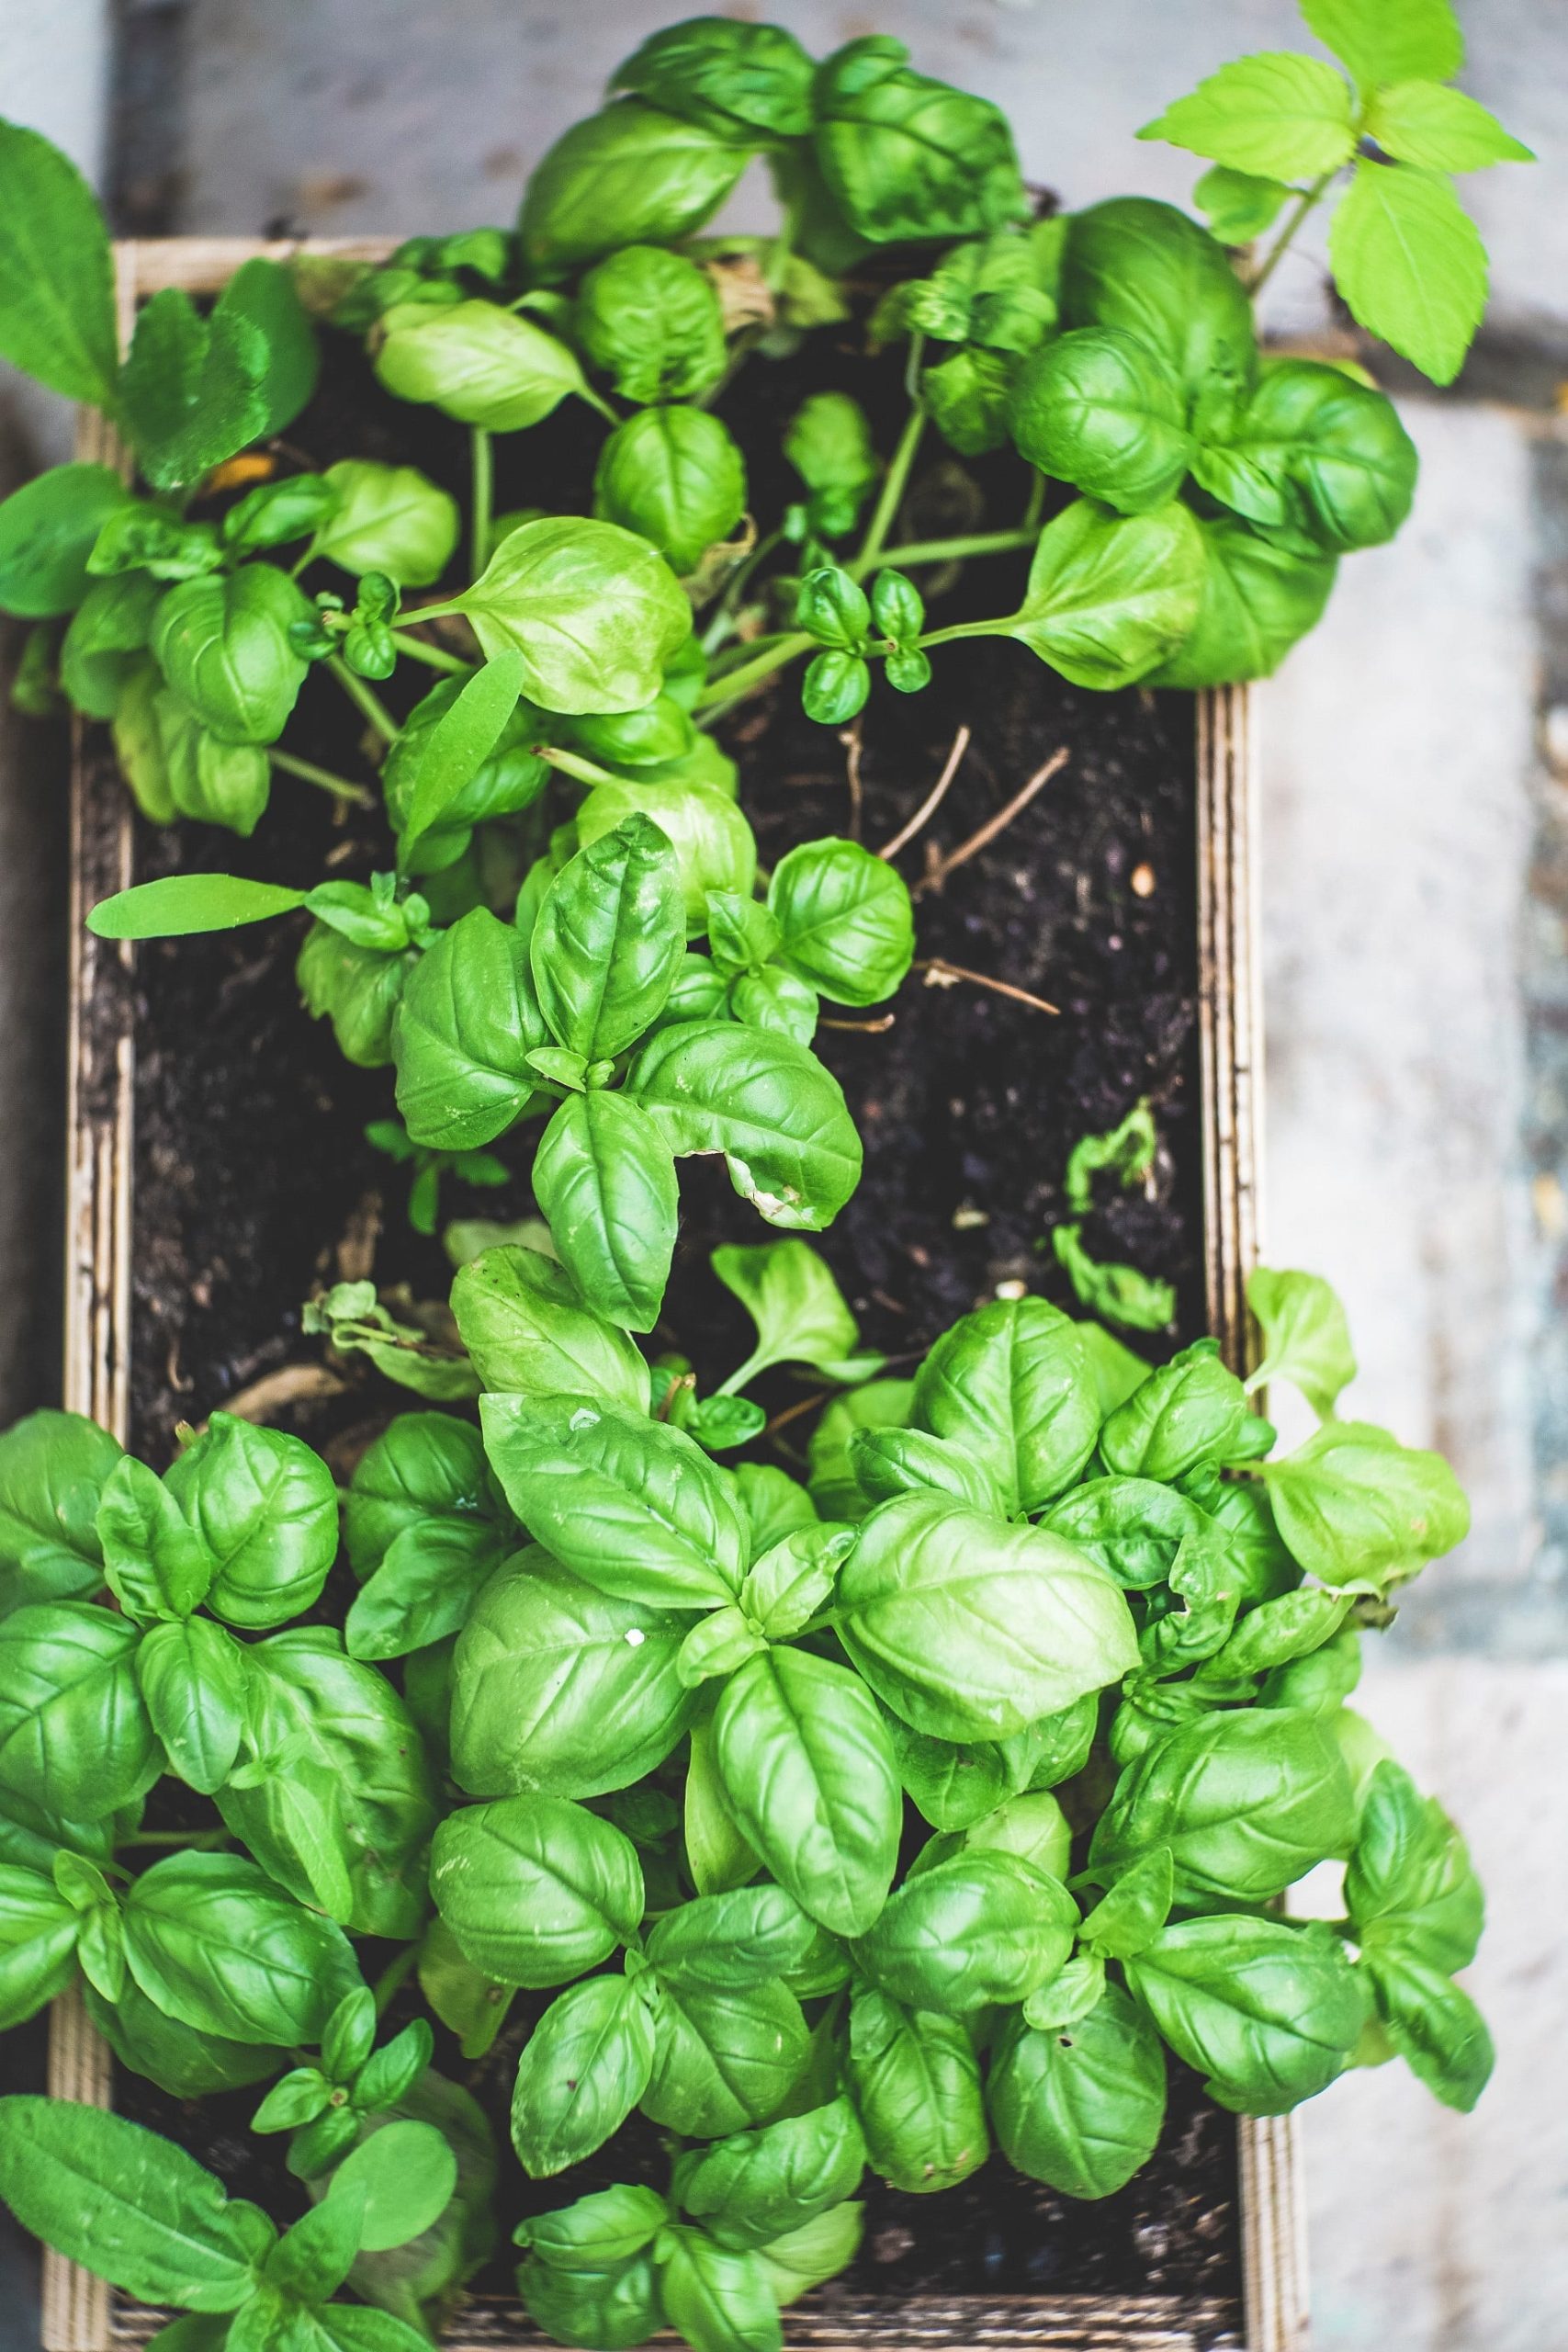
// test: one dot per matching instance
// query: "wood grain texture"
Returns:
(80, 2315)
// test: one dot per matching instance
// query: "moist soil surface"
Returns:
(254, 1184)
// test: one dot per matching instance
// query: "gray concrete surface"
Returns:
(1415, 904)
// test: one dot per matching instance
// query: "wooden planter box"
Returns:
(80, 2313)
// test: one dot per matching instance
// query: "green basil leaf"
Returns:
(798, 1309)
(632, 1506)
(1275, 113)
(1189, 1412)
(53, 1467)
(467, 1021)
(223, 644)
(1260, 598)
(1246, 1803)
(1410, 1884)
(829, 443)
(179, 904)
(717, 2297)
(1132, 1527)
(762, 2184)
(808, 1772)
(630, 175)
(734, 1939)
(1269, 2013)
(594, 611)
(1134, 1911)
(611, 2310)
(401, 2178)
(844, 921)
(609, 939)
(971, 1629)
(265, 1508)
(475, 361)
(1146, 267)
(1358, 1509)
(1031, 1827)
(48, 526)
(726, 2055)
(812, 2255)
(1315, 456)
(1442, 130)
(39, 1934)
(952, 1785)
(604, 1177)
(1390, 40)
(1080, 2107)
(194, 1677)
(1238, 206)
(713, 843)
(535, 1889)
(218, 1945)
(423, 1467)
(906, 157)
(530, 1333)
(584, 2069)
(652, 320)
(898, 1462)
(793, 1578)
(456, 748)
(915, 2081)
(155, 1562)
(1100, 409)
(1110, 597)
(183, 2062)
(322, 1725)
(674, 476)
(983, 1929)
(1305, 1336)
(196, 390)
(599, 2232)
(716, 1645)
(744, 82)
(882, 1403)
(130, 2205)
(1409, 262)
(1433, 2024)
(778, 1117)
(563, 1688)
(424, 1589)
(1071, 1993)
(468, 2002)
(1292, 1626)
(57, 300)
(1011, 1385)
(105, 645)
(74, 1737)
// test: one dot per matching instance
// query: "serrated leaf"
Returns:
(1409, 261)
(1390, 40)
(56, 318)
(1277, 114)
(1443, 130)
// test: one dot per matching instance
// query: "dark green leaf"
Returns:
(57, 304)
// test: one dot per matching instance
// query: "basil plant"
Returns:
(863, 1821)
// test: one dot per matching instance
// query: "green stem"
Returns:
(734, 683)
(360, 694)
(308, 773)
(720, 627)
(392, 1976)
(894, 482)
(200, 1841)
(481, 459)
(572, 764)
(433, 656)
(1293, 219)
(755, 1363)
(950, 551)
(1036, 505)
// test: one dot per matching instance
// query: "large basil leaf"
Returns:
(717, 2297)
(598, 2232)
(733, 1939)
(267, 1509)
(562, 1689)
(224, 646)
(1269, 2013)
(1145, 267)
(713, 844)
(423, 1467)
(186, 2063)
(1260, 597)
(630, 175)
(57, 304)
(530, 1333)
(1191, 1411)
(1111, 596)
(915, 2081)
(218, 1945)
(1306, 1339)
(835, 1490)
(1133, 1527)
(807, 1769)
(674, 476)
(74, 1734)
(611, 2308)
(387, 518)
(844, 921)
(584, 2069)
(154, 1563)
(651, 319)
(742, 81)
(971, 1629)
(1246, 1803)
(1359, 1510)
(814, 2253)
(128, 2204)
(609, 940)
(762, 2184)
(535, 1889)
(47, 532)
(358, 989)
(636, 1508)
(798, 1309)
(333, 1756)
(1080, 2107)
(901, 1462)
(1011, 1385)
(604, 1178)
(984, 1929)
(52, 1469)
(906, 157)
(1433, 2023)
(467, 1022)
(424, 1589)
(1410, 1881)
(193, 1676)
(1100, 409)
(1316, 456)
(726, 2055)
(104, 647)
(38, 1932)
(477, 362)
(594, 611)
(953, 1786)
(780, 1119)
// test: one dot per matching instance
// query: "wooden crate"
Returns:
(82, 2315)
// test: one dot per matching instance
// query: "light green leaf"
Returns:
(460, 741)
(57, 311)
(1238, 206)
(1277, 114)
(1110, 595)
(604, 1177)
(530, 1333)
(1441, 129)
(403, 2175)
(536, 1889)
(1306, 1339)
(1390, 40)
(767, 1104)
(1409, 261)
(465, 1025)
(1358, 1509)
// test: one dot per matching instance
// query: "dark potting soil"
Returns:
(254, 1184)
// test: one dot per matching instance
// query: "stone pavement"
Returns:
(1414, 907)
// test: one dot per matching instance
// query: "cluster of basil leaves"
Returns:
(611, 1721)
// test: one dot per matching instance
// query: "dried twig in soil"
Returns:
(943, 974)
(933, 801)
(993, 825)
(850, 739)
(864, 1028)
